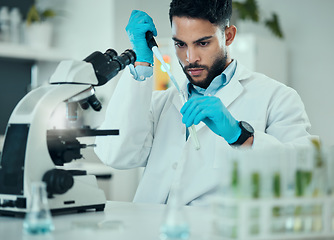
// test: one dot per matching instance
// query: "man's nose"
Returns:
(192, 55)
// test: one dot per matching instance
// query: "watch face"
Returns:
(247, 126)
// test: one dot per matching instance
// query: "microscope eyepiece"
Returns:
(107, 65)
(111, 53)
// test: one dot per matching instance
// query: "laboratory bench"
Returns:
(119, 220)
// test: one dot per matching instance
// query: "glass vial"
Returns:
(15, 25)
(4, 24)
(38, 219)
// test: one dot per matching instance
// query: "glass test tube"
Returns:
(192, 129)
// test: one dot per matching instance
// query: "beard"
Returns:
(216, 69)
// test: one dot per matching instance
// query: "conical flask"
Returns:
(38, 218)
(175, 225)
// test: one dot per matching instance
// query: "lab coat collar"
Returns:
(228, 94)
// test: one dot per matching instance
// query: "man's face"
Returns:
(200, 48)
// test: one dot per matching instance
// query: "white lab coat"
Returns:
(153, 136)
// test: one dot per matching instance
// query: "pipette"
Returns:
(154, 46)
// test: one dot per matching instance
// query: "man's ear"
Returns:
(230, 33)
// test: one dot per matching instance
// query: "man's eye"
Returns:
(179, 44)
(203, 44)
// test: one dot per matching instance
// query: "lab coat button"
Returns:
(142, 78)
(174, 165)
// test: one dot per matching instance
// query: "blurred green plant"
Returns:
(34, 15)
(255, 181)
(318, 154)
(319, 181)
(249, 10)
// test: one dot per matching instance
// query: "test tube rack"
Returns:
(273, 219)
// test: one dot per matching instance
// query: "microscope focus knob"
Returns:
(58, 181)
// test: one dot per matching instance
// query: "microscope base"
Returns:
(54, 212)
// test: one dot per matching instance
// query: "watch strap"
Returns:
(245, 134)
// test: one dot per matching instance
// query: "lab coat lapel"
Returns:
(234, 88)
(230, 92)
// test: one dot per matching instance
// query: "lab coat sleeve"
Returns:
(128, 111)
(287, 121)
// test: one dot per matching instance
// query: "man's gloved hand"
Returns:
(214, 114)
(139, 23)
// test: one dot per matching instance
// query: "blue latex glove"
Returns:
(139, 23)
(214, 114)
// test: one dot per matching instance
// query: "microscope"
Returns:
(34, 152)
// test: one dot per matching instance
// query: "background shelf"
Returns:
(23, 52)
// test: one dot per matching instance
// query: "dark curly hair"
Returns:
(217, 12)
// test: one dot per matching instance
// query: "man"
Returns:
(229, 105)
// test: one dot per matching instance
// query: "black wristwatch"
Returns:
(246, 132)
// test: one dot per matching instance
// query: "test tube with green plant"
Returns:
(276, 191)
(318, 184)
(235, 178)
(303, 178)
(255, 180)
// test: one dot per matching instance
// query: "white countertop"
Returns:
(119, 221)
